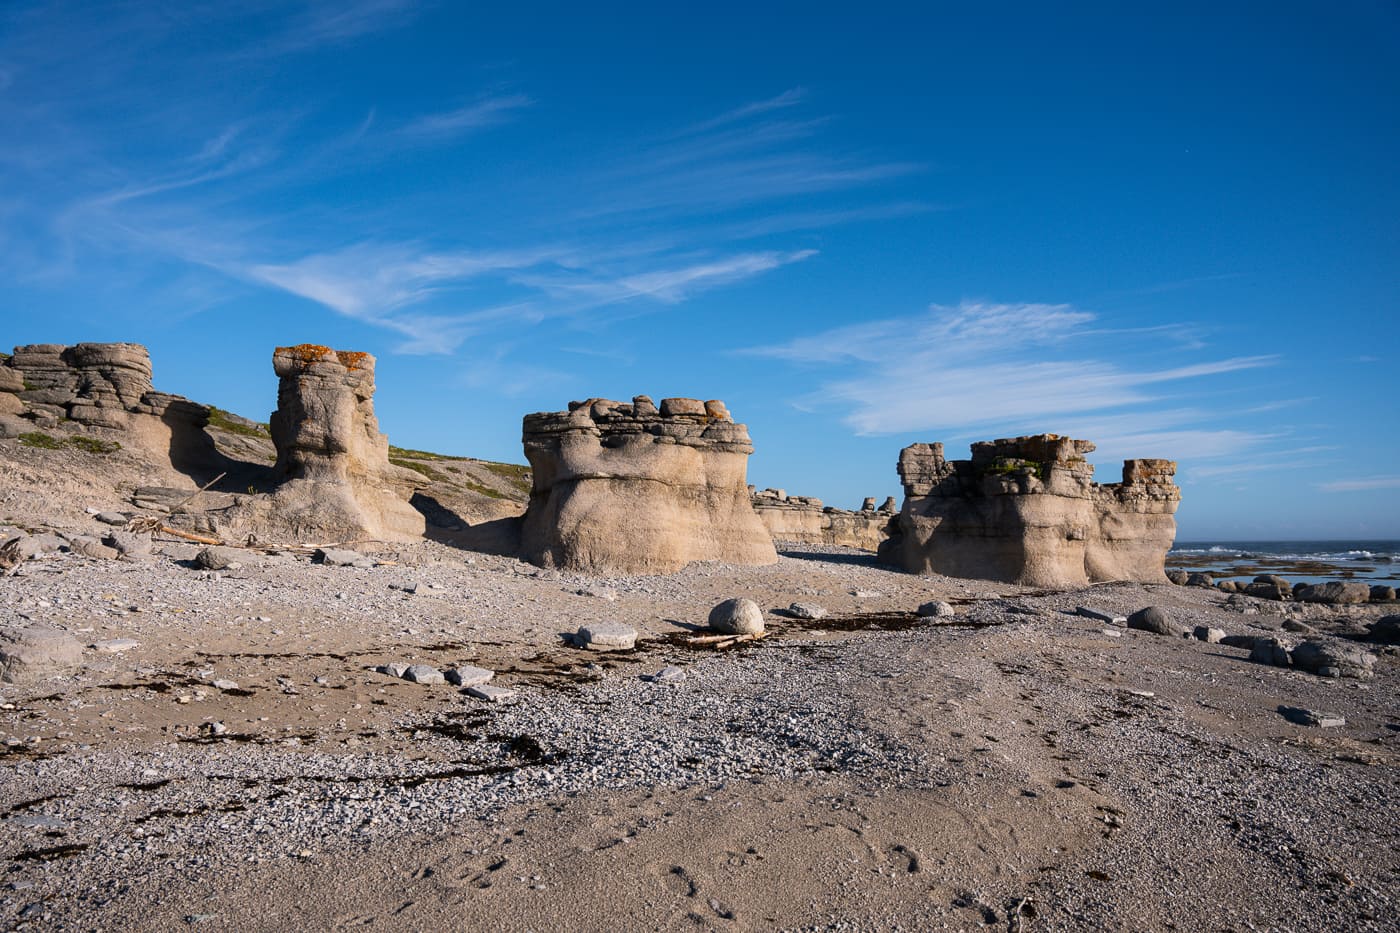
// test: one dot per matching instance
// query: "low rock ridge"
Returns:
(1026, 510)
(805, 520)
(97, 385)
(637, 488)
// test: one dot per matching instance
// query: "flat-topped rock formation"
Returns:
(1026, 510)
(334, 479)
(630, 488)
(805, 520)
(92, 385)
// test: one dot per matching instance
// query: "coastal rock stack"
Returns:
(630, 488)
(1026, 510)
(805, 520)
(334, 478)
(93, 385)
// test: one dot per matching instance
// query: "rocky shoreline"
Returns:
(1015, 762)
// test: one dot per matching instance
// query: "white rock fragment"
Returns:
(424, 674)
(116, 645)
(606, 636)
(490, 693)
(468, 676)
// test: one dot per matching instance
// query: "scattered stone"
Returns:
(394, 669)
(128, 544)
(1381, 593)
(606, 636)
(866, 594)
(1179, 577)
(338, 557)
(738, 616)
(1200, 579)
(936, 609)
(1267, 590)
(35, 652)
(112, 518)
(224, 685)
(1211, 636)
(806, 611)
(1335, 593)
(668, 675)
(116, 645)
(1112, 633)
(1298, 626)
(1098, 615)
(424, 674)
(490, 693)
(598, 592)
(1227, 586)
(217, 557)
(1329, 659)
(214, 728)
(1306, 717)
(29, 547)
(1155, 619)
(469, 676)
(1268, 650)
(92, 548)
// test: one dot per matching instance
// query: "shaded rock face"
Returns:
(1026, 510)
(628, 488)
(334, 479)
(804, 520)
(98, 385)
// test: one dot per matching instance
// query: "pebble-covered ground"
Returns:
(1016, 765)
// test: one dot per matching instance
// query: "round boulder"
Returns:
(1154, 619)
(35, 652)
(938, 609)
(738, 616)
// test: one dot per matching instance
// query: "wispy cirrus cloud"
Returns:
(1018, 368)
(1365, 484)
(489, 111)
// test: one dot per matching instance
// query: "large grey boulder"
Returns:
(1336, 593)
(1275, 588)
(1179, 577)
(1386, 630)
(35, 652)
(1272, 651)
(1155, 619)
(1329, 659)
(738, 616)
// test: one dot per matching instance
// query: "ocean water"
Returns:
(1305, 561)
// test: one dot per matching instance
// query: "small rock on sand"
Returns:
(936, 609)
(1327, 659)
(1307, 717)
(393, 669)
(220, 558)
(468, 676)
(1210, 636)
(806, 611)
(36, 651)
(490, 693)
(339, 557)
(606, 636)
(424, 674)
(668, 675)
(116, 645)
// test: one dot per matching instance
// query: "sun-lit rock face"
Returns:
(333, 478)
(1026, 510)
(805, 520)
(630, 488)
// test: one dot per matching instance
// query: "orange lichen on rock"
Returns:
(307, 353)
(352, 359)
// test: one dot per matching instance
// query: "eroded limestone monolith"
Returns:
(630, 488)
(1026, 510)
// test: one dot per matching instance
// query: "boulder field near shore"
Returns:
(425, 730)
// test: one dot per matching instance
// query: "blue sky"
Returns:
(1173, 232)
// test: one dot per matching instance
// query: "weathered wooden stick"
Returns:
(188, 536)
(190, 498)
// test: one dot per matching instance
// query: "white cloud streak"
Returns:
(1366, 484)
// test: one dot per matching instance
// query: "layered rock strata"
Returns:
(92, 385)
(630, 488)
(334, 480)
(1026, 510)
(805, 520)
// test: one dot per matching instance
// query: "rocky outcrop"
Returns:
(805, 520)
(628, 488)
(96, 385)
(334, 480)
(1026, 510)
